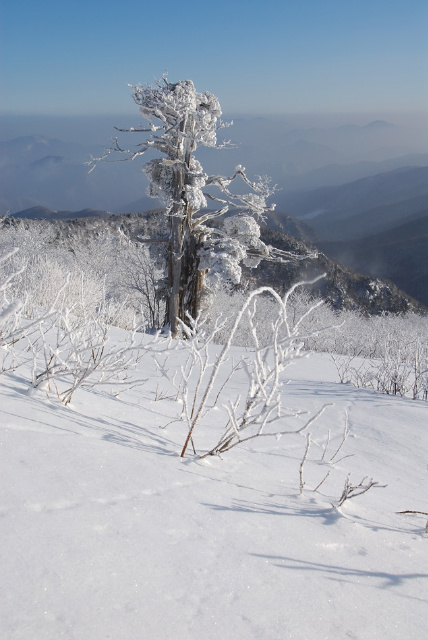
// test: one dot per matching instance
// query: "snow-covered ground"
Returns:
(107, 533)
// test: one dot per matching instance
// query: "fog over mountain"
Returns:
(37, 170)
(400, 254)
(42, 158)
(362, 207)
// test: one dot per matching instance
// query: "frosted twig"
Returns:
(344, 438)
(323, 480)
(302, 463)
(352, 491)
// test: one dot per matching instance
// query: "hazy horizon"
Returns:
(297, 151)
(99, 128)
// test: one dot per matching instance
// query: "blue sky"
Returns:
(270, 56)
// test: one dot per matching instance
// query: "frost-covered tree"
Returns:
(181, 120)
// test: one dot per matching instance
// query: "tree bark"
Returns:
(174, 268)
(184, 279)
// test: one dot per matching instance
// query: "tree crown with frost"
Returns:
(179, 121)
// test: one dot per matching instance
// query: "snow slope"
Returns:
(107, 533)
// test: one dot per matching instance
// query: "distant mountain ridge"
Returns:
(39, 171)
(387, 240)
(400, 254)
(328, 210)
(294, 157)
(43, 213)
(379, 220)
(25, 150)
(333, 175)
(342, 288)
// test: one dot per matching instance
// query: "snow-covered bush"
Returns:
(10, 315)
(386, 353)
(98, 270)
(316, 321)
(14, 327)
(258, 407)
(142, 279)
(76, 352)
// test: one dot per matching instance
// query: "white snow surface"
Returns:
(107, 533)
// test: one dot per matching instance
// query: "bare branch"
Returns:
(302, 463)
(352, 491)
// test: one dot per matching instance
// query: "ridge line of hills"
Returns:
(343, 287)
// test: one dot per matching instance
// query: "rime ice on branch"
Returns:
(179, 121)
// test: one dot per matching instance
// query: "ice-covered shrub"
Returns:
(10, 314)
(387, 353)
(257, 408)
(99, 270)
(77, 352)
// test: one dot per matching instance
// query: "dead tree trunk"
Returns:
(185, 280)
(174, 269)
(191, 278)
